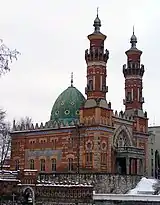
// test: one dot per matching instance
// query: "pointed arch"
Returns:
(89, 120)
(93, 120)
(29, 191)
(122, 133)
(84, 121)
(104, 120)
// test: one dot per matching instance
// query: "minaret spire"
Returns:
(97, 23)
(133, 40)
(72, 79)
(133, 29)
(97, 11)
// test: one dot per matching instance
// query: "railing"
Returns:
(133, 150)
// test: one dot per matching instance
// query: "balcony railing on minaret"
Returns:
(96, 54)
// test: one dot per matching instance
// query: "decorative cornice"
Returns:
(94, 63)
(40, 132)
(133, 77)
(100, 129)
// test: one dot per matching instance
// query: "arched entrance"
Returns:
(29, 195)
(121, 141)
(127, 156)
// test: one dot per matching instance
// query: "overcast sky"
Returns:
(52, 37)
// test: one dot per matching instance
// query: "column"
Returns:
(141, 167)
(138, 166)
(127, 165)
(131, 166)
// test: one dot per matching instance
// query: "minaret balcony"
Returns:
(127, 101)
(96, 54)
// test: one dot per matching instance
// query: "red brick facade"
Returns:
(102, 140)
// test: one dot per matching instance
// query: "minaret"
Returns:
(133, 73)
(96, 58)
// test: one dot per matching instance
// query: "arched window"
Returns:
(42, 165)
(103, 158)
(89, 158)
(89, 155)
(17, 164)
(31, 163)
(70, 164)
(54, 165)
(90, 84)
(122, 140)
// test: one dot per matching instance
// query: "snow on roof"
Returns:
(9, 180)
(145, 186)
(6, 175)
(30, 170)
(58, 185)
(124, 197)
(65, 185)
(6, 165)
(8, 172)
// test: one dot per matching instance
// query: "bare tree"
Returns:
(25, 121)
(2, 117)
(5, 140)
(6, 57)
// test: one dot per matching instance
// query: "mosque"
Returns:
(83, 133)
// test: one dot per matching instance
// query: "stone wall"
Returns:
(126, 203)
(116, 184)
(102, 183)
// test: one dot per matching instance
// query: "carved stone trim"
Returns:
(99, 63)
(128, 135)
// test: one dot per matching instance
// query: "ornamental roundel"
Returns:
(57, 112)
(72, 103)
(66, 112)
(77, 112)
(103, 145)
(62, 103)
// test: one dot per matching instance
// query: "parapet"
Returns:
(42, 126)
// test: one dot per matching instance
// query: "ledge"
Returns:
(123, 197)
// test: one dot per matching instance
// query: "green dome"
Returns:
(66, 107)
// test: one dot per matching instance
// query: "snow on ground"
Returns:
(145, 186)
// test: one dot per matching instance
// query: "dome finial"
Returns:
(97, 23)
(97, 11)
(133, 40)
(72, 79)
